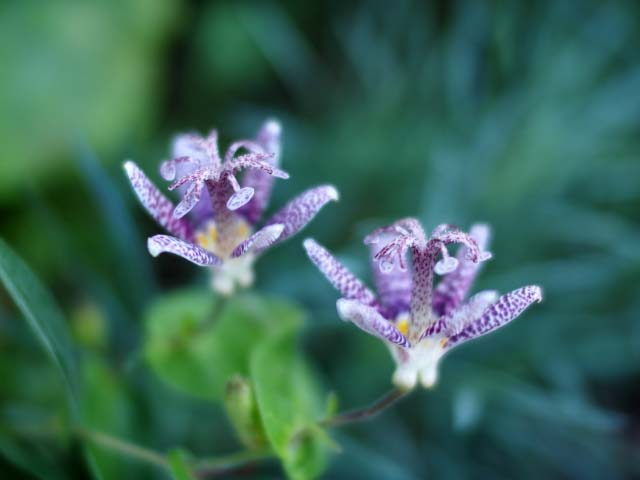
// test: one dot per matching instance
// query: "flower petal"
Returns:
(507, 308)
(340, 277)
(260, 240)
(370, 320)
(298, 212)
(454, 287)
(455, 321)
(394, 285)
(269, 139)
(158, 206)
(165, 244)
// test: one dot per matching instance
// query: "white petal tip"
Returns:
(333, 193)
(129, 167)
(272, 128)
(344, 308)
(154, 248)
(240, 198)
(537, 293)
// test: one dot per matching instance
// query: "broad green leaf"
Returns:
(179, 467)
(42, 315)
(289, 404)
(196, 353)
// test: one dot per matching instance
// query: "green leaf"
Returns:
(196, 353)
(289, 404)
(179, 467)
(42, 315)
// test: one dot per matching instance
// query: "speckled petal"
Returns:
(370, 320)
(507, 308)
(456, 320)
(298, 212)
(158, 206)
(454, 287)
(260, 240)
(165, 244)
(340, 277)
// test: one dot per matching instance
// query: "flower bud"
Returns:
(241, 407)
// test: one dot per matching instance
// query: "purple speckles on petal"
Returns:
(165, 244)
(507, 308)
(260, 240)
(296, 214)
(370, 320)
(340, 277)
(158, 206)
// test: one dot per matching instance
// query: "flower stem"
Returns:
(128, 449)
(225, 464)
(365, 413)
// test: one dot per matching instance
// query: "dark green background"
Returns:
(521, 114)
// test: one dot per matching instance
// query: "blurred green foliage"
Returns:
(523, 115)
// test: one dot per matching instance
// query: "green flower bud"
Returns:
(241, 407)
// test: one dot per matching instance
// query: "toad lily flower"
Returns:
(418, 323)
(213, 224)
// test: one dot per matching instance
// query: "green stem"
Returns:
(225, 464)
(365, 413)
(128, 449)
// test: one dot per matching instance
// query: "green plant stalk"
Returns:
(361, 414)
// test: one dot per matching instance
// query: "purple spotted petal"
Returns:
(298, 212)
(394, 285)
(269, 139)
(454, 287)
(260, 240)
(165, 244)
(370, 320)
(455, 321)
(340, 277)
(158, 206)
(507, 308)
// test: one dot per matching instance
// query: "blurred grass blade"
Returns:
(118, 227)
(42, 315)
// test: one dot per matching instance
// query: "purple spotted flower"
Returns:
(419, 323)
(214, 222)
